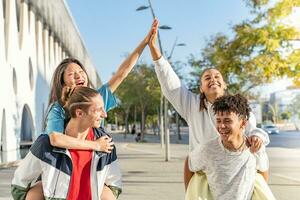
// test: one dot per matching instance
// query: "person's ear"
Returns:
(225, 86)
(243, 123)
(200, 88)
(79, 113)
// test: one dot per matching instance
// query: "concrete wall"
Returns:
(35, 35)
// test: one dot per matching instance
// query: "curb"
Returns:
(10, 164)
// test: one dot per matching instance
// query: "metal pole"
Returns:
(161, 125)
(164, 126)
(173, 47)
(167, 132)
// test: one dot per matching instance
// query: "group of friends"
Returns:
(76, 158)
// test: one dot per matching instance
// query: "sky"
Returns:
(111, 29)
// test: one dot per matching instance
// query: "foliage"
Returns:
(285, 115)
(295, 107)
(261, 49)
(140, 89)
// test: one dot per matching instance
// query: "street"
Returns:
(288, 139)
(147, 176)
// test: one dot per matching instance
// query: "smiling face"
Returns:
(95, 112)
(212, 83)
(74, 75)
(229, 125)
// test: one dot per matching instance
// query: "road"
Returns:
(289, 139)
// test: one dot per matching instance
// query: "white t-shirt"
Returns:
(201, 123)
(230, 175)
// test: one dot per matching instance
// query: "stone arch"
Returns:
(3, 131)
(27, 127)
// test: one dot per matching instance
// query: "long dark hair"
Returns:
(58, 83)
(203, 98)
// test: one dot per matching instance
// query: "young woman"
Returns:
(196, 109)
(70, 72)
(70, 173)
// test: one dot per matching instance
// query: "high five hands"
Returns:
(155, 52)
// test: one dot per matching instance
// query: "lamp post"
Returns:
(164, 126)
(175, 44)
(273, 112)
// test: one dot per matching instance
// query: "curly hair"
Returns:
(232, 103)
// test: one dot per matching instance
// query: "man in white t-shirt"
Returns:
(229, 165)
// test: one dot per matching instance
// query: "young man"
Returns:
(229, 165)
(72, 174)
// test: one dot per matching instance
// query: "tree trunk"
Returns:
(126, 121)
(142, 121)
(153, 126)
(116, 122)
(134, 116)
(178, 126)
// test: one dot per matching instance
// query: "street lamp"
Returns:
(164, 127)
(175, 44)
(273, 113)
(165, 27)
(142, 8)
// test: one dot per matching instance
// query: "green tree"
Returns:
(139, 89)
(295, 107)
(285, 115)
(260, 50)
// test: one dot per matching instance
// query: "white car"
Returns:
(270, 129)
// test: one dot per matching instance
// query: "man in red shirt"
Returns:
(79, 126)
(73, 174)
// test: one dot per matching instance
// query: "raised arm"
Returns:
(155, 52)
(129, 63)
(173, 89)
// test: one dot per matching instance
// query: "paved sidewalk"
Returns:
(167, 181)
(147, 176)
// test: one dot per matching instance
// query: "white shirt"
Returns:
(201, 123)
(230, 175)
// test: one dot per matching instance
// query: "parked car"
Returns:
(270, 129)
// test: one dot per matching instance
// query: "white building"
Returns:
(283, 99)
(256, 110)
(35, 35)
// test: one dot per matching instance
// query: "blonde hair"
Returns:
(77, 98)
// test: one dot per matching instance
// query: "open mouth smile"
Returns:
(214, 84)
(80, 83)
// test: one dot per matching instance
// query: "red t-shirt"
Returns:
(80, 183)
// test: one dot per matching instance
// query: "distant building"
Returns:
(257, 111)
(35, 35)
(283, 99)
